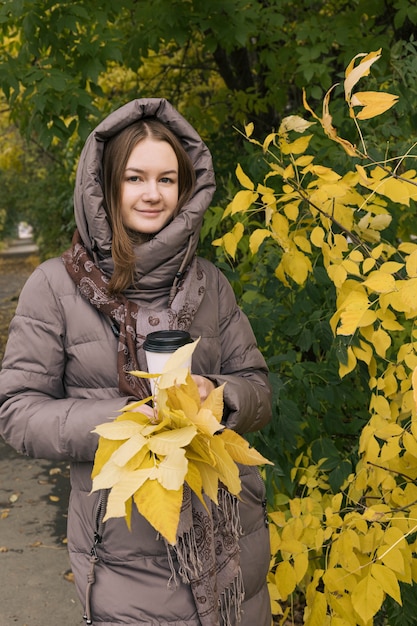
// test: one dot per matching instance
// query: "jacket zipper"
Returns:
(98, 537)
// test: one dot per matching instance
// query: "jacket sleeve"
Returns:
(36, 417)
(247, 393)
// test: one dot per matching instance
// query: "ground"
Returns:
(36, 580)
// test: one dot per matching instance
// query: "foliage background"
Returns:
(65, 65)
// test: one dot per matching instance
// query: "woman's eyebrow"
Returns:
(141, 171)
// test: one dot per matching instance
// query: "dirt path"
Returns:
(36, 581)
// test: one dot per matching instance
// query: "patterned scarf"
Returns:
(207, 545)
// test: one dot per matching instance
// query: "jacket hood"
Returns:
(159, 259)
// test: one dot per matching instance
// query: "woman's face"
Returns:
(149, 192)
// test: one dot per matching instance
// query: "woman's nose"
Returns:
(151, 191)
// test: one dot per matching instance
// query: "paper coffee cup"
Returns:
(159, 346)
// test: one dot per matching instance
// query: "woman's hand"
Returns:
(205, 386)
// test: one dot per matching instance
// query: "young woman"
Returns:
(143, 183)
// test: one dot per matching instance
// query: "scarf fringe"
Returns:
(230, 601)
(191, 566)
(188, 557)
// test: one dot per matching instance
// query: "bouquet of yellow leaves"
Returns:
(147, 461)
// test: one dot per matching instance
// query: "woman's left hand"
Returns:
(205, 386)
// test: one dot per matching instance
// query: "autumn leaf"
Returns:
(161, 507)
(244, 180)
(373, 102)
(240, 450)
(354, 74)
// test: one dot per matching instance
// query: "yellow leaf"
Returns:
(387, 580)
(285, 579)
(392, 558)
(109, 476)
(194, 481)
(411, 265)
(300, 566)
(210, 480)
(296, 265)
(161, 507)
(214, 402)
(294, 122)
(317, 236)
(380, 281)
(257, 237)
(302, 243)
(244, 180)
(199, 450)
(242, 201)
(363, 352)
(105, 449)
(381, 341)
(118, 430)
(227, 469)
(344, 369)
(408, 291)
(128, 449)
(368, 265)
(291, 211)
(168, 441)
(179, 359)
(318, 615)
(179, 399)
(367, 598)
(171, 472)
(239, 449)
(354, 74)
(231, 240)
(249, 129)
(354, 319)
(374, 103)
(299, 146)
(123, 490)
(206, 422)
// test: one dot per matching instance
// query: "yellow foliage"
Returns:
(344, 552)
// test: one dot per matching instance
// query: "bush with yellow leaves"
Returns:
(345, 553)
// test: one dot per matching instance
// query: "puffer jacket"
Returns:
(59, 381)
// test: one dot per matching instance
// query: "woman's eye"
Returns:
(166, 180)
(133, 179)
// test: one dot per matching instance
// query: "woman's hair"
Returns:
(116, 155)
